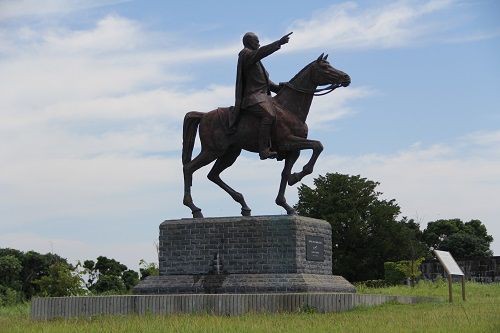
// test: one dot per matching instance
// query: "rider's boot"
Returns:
(265, 138)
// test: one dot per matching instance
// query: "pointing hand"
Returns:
(285, 39)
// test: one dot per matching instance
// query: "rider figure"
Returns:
(253, 88)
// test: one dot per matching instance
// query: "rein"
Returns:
(314, 92)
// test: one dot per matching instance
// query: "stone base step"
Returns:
(243, 284)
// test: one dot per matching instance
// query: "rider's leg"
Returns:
(265, 111)
(265, 139)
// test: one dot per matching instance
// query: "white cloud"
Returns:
(474, 37)
(12, 9)
(349, 26)
(141, 123)
(38, 189)
(112, 34)
(186, 55)
(84, 93)
(484, 138)
(326, 109)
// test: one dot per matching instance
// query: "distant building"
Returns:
(475, 269)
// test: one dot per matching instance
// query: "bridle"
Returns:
(314, 92)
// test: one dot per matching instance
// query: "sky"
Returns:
(93, 94)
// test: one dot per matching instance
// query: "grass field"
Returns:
(480, 313)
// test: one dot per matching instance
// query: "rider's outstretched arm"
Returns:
(252, 56)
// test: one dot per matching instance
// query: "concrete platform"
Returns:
(218, 304)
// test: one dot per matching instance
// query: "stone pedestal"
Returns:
(262, 254)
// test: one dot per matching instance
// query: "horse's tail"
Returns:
(190, 127)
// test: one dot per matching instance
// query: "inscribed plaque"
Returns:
(315, 248)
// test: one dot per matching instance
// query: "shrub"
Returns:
(393, 273)
(397, 272)
(375, 283)
(60, 281)
(148, 269)
(9, 296)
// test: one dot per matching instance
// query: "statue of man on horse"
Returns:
(225, 132)
(253, 88)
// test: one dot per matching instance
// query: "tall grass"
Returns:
(480, 313)
(439, 288)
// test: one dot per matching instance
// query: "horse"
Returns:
(288, 138)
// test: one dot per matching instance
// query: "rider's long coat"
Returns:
(252, 80)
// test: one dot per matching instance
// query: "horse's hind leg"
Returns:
(222, 163)
(204, 158)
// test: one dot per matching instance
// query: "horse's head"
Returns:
(301, 89)
(322, 73)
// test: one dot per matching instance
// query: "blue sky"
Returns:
(94, 92)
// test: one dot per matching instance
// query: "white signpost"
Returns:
(451, 267)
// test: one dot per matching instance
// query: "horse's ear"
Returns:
(320, 57)
(324, 58)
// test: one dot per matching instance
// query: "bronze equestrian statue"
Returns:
(253, 88)
(224, 132)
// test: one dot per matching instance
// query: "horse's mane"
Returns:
(302, 70)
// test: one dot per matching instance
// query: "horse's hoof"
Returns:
(246, 212)
(197, 214)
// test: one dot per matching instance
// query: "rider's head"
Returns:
(251, 41)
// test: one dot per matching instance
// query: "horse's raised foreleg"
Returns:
(222, 163)
(298, 143)
(285, 174)
(189, 168)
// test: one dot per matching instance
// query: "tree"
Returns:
(10, 269)
(10, 274)
(365, 231)
(12, 252)
(130, 278)
(109, 283)
(148, 269)
(10, 284)
(108, 275)
(107, 266)
(61, 281)
(90, 271)
(462, 240)
(35, 266)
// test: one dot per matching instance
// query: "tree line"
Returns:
(366, 230)
(27, 274)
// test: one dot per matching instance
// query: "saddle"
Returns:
(224, 113)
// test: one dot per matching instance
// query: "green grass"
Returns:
(437, 289)
(480, 313)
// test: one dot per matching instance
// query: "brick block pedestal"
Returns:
(262, 254)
